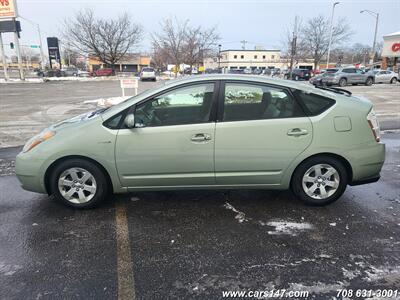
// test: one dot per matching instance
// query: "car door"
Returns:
(261, 129)
(172, 143)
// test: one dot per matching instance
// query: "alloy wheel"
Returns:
(77, 185)
(320, 181)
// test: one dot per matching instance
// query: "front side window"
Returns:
(255, 102)
(186, 105)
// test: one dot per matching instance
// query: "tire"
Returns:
(369, 81)
(302, 185)
(64, 182)
(343, 82)
(393, 80)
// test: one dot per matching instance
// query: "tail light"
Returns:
(374, 124)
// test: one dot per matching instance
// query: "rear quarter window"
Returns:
(315, 104)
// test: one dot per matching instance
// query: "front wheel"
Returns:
(394, 80)
(79, 183)
(369, 81)
(342, 82)
(319, 180)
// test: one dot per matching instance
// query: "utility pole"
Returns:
(219, 57)
(293, 47)
(244, 42)
(18, 50)
(3, 55)
(330, 34)
(376, 16)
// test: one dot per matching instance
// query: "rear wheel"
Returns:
(343, 82)
(394, 80)
(319, 180)
(79, 183)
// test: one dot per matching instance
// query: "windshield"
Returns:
(147, 70)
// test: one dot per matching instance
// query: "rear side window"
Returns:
(314, 103)
(245, 101)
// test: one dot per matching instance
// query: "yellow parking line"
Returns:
(126, 284)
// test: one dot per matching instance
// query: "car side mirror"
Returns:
(130, 121)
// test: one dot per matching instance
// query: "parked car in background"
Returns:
(53, 73)
(267, 72)
(210, 132)
(103, 72)
(343, 76)
(247, 71)
(300, 74)
(236, 71)
(257, 71)
(82, 73)
(385, 76)
(70, 71)
(148, 73)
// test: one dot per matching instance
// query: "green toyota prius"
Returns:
(210, 132)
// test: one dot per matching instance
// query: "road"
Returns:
(197, 244)
(27, 108)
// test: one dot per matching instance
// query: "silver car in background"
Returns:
(385, 76)
(148, 74)
(343, 77)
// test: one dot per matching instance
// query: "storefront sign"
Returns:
(8, 9)
(396, 47)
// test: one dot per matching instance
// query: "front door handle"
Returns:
(297, 132)
(201, 137)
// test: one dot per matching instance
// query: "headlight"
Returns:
(37, 139)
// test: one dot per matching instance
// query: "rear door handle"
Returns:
(297, 132)
(201, 137)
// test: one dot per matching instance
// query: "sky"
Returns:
(260, 22)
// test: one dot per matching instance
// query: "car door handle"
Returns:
(200, 137)
(297, 132)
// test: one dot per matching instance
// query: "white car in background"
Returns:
(148, 74)
(385, 76)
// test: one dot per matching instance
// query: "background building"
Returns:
(131, 62)
(391, 50)
(253, 59)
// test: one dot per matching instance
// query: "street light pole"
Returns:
(219, 56)
(42, 65)
(376, 16)
(330, 34)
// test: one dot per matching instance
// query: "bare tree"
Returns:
(108, 40)
(199, 44)
(172, 40)
(315, 36)
(180, 43)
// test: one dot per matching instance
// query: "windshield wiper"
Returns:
(96, 112)
(335, 90)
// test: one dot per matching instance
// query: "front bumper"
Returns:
(30, 172)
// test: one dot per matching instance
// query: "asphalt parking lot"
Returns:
(192, 244)
(197, 244)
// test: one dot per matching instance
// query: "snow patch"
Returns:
(240, 216)
(290, 228)
(318, 287)
(107, 102)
